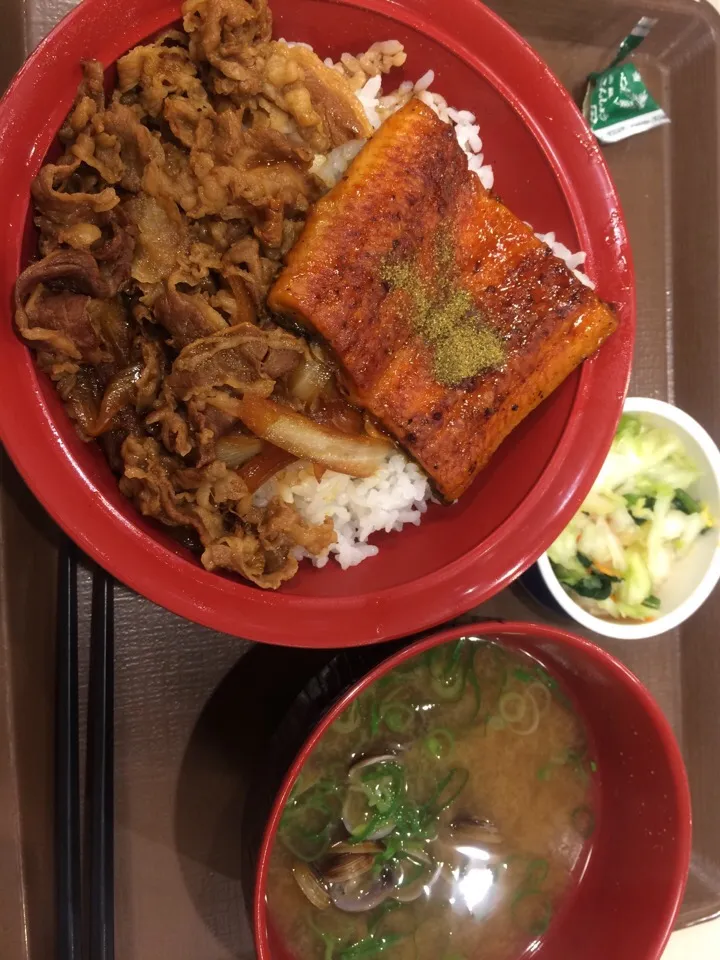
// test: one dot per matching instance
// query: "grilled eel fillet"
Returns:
(408, 186)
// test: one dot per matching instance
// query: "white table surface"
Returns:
(696, 943)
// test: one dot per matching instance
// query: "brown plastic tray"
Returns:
(195, 709)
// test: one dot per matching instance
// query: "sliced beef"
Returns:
(243, 357)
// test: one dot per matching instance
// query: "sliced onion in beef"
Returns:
(304, 439)
(119, 393)
(372, 429)
(235, 449)
(310, 379)
(264, 466)
(83, 400)
(338, 413)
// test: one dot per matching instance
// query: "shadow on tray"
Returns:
(243, 742)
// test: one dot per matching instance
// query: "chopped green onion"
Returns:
(593, 767)
(440, 742)
(535, 875)
(448, 671)
(397, 717)
(392, 846)
(476, 690)
(415, 823)
(376, 822)
(383, 784)
(532, 912)
(383, 787)
(374, 719)
(369, 946)
(524, 676)
(509, 713)
(454, 657)
(449, 789)
(544, 772)
(329, 941)
(310, 813)
(652, 602)
(544, 677)
(302, 796)
(306, 848)
(348, 720)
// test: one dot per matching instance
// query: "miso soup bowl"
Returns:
(626, 902)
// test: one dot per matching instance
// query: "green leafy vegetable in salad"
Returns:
(637, 521)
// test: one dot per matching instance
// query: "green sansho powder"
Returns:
(443, 313)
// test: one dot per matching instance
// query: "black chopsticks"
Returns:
(67, 765)
(100, 805)
(96, 940)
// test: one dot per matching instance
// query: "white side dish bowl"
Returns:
(693, 577)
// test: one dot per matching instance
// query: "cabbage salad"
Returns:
(636, 522)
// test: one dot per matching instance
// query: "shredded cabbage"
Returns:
(636, 522)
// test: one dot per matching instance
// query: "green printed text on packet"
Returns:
(617, 103)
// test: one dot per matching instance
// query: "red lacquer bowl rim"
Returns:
(524, 632)
(75, 499)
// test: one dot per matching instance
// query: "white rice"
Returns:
(572, 260)
(399, 492)
(393, 496)
(379, 107)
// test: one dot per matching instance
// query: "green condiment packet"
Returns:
(617, 102)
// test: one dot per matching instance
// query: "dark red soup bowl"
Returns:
(627, 892)
(548, 169)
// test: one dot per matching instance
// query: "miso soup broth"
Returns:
(443, 816)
